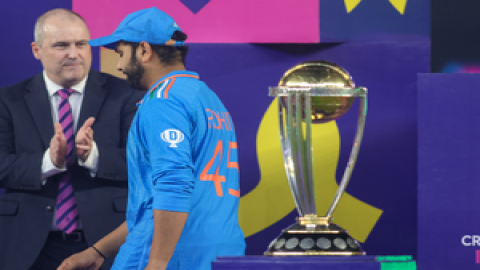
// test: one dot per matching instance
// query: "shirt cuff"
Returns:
(92, 160)
(48, 168)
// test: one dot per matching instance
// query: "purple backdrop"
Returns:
(17, 22)
(386, 172)
(449, 170)
(385, 175)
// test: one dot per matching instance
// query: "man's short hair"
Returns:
(40, 23)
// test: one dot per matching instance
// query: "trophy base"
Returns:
(313, 235)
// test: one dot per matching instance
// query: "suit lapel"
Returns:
(93, 97)
(38, 103)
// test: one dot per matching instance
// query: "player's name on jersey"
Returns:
(219, 120)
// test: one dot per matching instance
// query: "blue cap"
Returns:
(150, 25)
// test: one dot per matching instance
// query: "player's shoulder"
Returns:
(180, 88)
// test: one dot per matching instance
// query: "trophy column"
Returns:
(314, 92)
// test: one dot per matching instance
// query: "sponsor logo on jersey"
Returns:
(172, 136)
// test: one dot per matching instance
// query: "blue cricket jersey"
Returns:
(182, 157)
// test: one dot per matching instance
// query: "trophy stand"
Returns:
(314, 92)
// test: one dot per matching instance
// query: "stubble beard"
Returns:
(134, 72)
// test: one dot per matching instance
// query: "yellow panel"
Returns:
(351, 4)
(271, 200)
(399, 5)
(108, 62)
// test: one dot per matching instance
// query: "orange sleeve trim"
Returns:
(170, 85)
(165, 92)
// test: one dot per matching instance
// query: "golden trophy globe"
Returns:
(314, 92)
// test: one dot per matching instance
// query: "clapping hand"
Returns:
(84, 139)
(58, 147)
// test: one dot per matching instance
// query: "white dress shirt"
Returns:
(75, 100)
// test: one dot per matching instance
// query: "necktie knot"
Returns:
(65, 93)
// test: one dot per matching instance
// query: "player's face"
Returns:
(64, 50)
(130, 66)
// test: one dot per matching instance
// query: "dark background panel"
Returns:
(455, 34)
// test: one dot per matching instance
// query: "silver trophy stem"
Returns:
(308, 162)
(285, 130)
(297, 150)
(353, 154)
(304, 157)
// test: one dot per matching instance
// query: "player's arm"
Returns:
(110, 244)
(172, 179)
(92, 257)
(168, 227)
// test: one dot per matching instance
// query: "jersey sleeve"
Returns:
(167, 131)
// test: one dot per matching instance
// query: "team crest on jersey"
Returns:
(172, 136)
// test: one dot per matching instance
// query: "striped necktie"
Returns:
(67, 212)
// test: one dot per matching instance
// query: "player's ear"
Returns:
(144, 51)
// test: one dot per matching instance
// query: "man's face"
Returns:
(130, 66)
(64, 51)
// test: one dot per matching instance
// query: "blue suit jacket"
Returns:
(26, 128)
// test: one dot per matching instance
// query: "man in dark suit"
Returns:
(62, 150)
